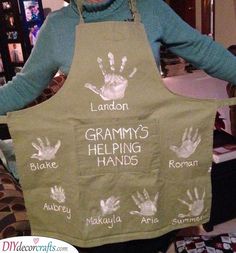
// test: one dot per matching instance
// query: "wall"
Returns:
(225, 22)
(53, 4)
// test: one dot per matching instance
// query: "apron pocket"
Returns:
(123, 145)
(120, 206)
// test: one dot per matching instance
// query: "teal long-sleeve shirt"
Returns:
(55, 46)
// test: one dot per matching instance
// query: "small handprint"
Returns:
(196, 206)
(58, 194)
(46, 152)
(189, 144)
(110, 206)
(114, 84)
(145, 204)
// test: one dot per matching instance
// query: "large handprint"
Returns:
(110, 206)
(114, 83)
(189, 144)
(46, 152)
(145, 204)
(196, 206)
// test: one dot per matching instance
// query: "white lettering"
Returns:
(149, 220)
(43, 166)
(99, 134)
(114, 161)
(183, 164)
(177, 221)
(109, 221)
(58, 208)
(113, 106)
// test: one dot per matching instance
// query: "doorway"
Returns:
(186, 9)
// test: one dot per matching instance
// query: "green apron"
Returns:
(114, 155)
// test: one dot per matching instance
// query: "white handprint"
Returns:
(58, 194)
(110, 206)
(46, 152)
(145, 204)
(114, 84)
(189, 144)
(196, 206)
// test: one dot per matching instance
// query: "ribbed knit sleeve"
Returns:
(36, 74)
(197, 49)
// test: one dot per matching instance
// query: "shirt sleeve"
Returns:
(200, 50)
(35, 75)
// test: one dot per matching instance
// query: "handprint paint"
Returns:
(115, 84)
(196, 204)
(188, 145)
(46, 152)
(110, 205)
(58, 194)
(145, 204)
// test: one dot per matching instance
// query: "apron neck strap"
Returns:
(132, 4)
(80, 9)
(134, 10)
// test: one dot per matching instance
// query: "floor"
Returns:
(227, 227)
(200, 85)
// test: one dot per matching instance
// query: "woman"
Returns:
(54, 49)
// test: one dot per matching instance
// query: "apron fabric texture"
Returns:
(114, 155)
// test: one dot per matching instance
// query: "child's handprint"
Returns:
(145, 204)
(110, 206)
(58, 194)
(188, 145)
(46, 152)
(195, 206)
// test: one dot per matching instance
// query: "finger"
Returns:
(196, 193)
(36, 156)
(61, 190)
(181, 215)
(140, 196)
(123, 62)
(47, 142)
(189, 195)
(195, 135)
(185, 134)
(115, 200)
(110, 201)
(99, 60)
(189, 133)
(156, 198)
(56, 188)
(146, 195)
(173, 148)
(52, 190)
(136, 201)
(57, 146)
(117, 203)
(133, 73)
(185, 203)
(92, 88)
(111, 60)
(102, 203)
(203, 194)
(135, 212)
(36, 146)
(41, 143)
(197, 141)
